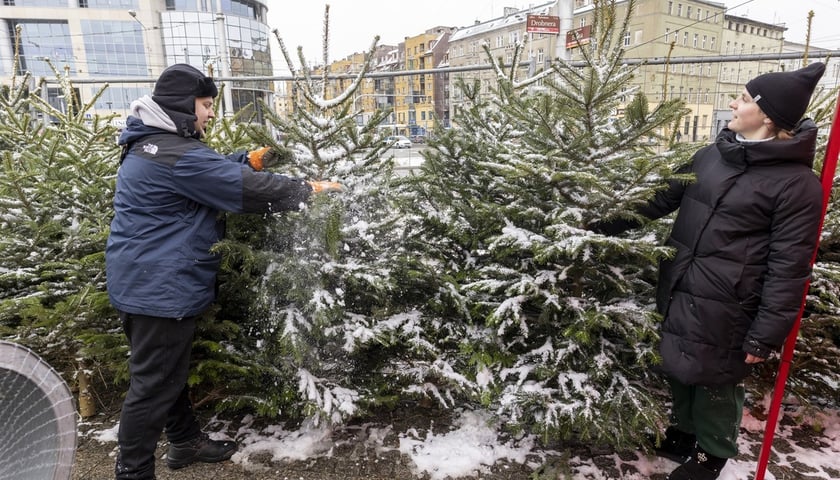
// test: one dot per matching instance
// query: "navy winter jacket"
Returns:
(170, 192)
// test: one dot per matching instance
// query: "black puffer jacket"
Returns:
(744, 237)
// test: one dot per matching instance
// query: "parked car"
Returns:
(398, 141)
(418, 138)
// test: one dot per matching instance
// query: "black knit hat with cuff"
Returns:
(176, 90)
(784, 96)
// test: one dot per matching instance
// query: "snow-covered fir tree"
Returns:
(56, 186)
(557, 328)
(328, 281)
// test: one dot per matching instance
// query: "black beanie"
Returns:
(176, 90)
(784, 96)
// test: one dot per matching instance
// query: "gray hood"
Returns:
(151, 114)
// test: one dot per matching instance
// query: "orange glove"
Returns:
(318, 187)
(264, 157)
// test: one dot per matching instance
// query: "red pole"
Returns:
(827, 176)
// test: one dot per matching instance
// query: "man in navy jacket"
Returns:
(161, 275)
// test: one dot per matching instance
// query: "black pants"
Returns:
(157, 397)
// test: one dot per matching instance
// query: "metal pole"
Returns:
(472, 68)
(565, 10)
(224, 50)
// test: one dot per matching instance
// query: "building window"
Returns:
(114, 48)
(703, 45)
(685, 39)
(688, 11)
(117, 97)
(44, 39)
(242, 8)
(35, 3)
(626, 39)
(694, 43)
(679, 9)
(712, 46)
(115, 4)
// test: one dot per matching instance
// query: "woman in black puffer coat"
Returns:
(744, 237)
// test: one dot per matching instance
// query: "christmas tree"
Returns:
(328, 279)
(557, 331)
(56, 187)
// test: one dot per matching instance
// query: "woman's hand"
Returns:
(753, 359)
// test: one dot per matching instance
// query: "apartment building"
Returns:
(500, 35)
(415, 99)
(131, 41)
(421, 97)
(657, 29)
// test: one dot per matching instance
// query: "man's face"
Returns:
(204, 113)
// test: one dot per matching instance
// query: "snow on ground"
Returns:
(472, 445)
(468, 450)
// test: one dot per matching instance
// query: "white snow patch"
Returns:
(309, 442)
(107, 435)
(470, 449)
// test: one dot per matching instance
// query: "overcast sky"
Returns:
(354, 23)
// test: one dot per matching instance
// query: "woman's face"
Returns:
(748, 119)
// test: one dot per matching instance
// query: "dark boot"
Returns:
(199, 449)
(676, 445)
(701, 466)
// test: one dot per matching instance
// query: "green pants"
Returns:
(711, 413)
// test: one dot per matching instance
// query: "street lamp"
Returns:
(133, 14)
